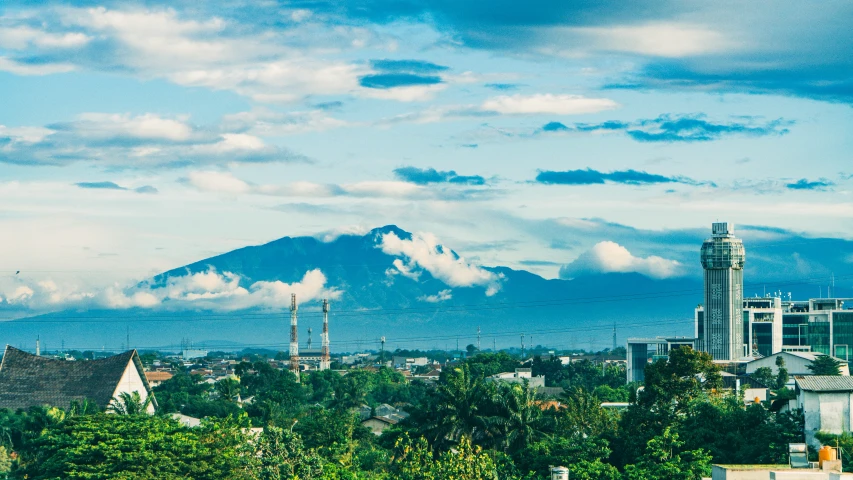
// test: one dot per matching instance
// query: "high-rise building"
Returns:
(723, 257)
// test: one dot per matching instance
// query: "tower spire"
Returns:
(325, 361)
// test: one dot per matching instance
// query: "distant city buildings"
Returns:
(734, 329)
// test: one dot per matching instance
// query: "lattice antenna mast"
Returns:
(325, 362)
(38, 345)
(478, 339)
(294, 335)
(310, 331)
(522, 347)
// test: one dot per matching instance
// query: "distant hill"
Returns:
(377, 299)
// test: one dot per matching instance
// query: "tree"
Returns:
(782, 374)
(130, 404)
(825, 365)
(228, 389)
(5, 462)
(764, 376)
(413, 460)
(137, 446)
(283, 456)
(455, 409)
(471, 349)
(517, 417)
(582, 414)
(665, 459)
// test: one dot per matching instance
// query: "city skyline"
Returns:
(561, 139)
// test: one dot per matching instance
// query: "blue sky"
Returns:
(138, 136)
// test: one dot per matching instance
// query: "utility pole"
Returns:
(495, 344)
(325, 362)
(128, 337)
(522, 347)
(294, 335)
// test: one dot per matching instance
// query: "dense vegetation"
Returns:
(266, 425)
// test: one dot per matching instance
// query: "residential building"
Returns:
(27, 380)
(825, 402)
(795, 362)
(157, 377)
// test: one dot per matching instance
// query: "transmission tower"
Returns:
(294, 335)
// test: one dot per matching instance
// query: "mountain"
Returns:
(387, 282)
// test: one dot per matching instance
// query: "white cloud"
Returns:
(219, 182)
(546, 103)
(441, 296)
(423, 252)
(333, 234)
(208, 290)
(265, 122)
(226, 182)
(22, 37)
(146, 126)
(610, 257)
(658, 39)
(18, 68)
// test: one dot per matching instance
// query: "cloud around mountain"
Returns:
(610, 257)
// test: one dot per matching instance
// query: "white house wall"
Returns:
(131, 382)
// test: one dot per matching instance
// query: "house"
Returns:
(519, 376)
(795, 362)
(157, 377)
(377, 425)
(826, 404)
(27, 380)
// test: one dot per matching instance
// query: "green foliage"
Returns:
(283, 456)
(665, 458)
(415, 461)
(845, 447)
(764, 375)
(135, 447)
(782, 374)
(5, 462)
(825, 365)
(129, 404)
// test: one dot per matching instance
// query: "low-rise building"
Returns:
(826, 404)
(796, 363)
(520, 375)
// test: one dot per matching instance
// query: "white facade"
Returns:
(795, 362)
(131, 381)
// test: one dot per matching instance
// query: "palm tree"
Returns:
(582, 414)
(517, 420)
(228, 389)
(129, 404)
(459, 404)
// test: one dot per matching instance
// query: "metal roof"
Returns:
(825, 383)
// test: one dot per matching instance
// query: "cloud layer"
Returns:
(595, 177)
(209, 290)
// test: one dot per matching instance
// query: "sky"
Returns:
(558, 137)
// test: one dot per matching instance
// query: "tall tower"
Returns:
(723, 257)
(325, 362)
(294, 345)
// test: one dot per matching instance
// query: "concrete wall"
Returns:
(825, 412)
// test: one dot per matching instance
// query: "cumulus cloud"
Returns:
(610, 257)
(441, 296)
(209, 290)
(422, 252)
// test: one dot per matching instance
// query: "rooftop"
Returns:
(825, 383)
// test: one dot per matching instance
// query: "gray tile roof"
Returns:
(825, 383)
(27, 380)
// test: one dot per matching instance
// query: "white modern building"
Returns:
(641, 351)
(723, 257)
